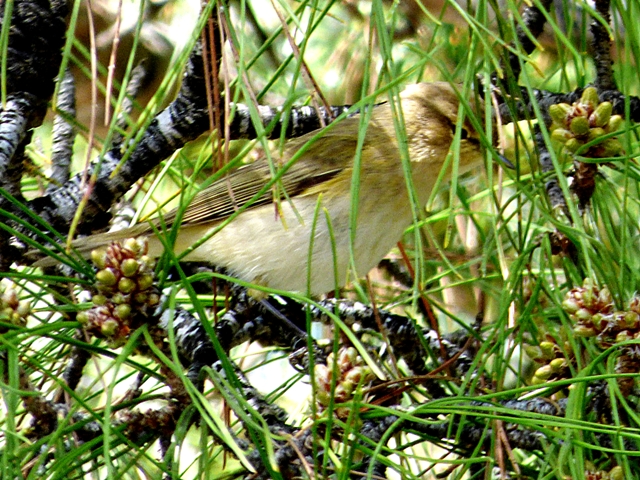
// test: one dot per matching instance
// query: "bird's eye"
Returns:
(464, 132)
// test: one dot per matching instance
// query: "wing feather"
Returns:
(221, 199)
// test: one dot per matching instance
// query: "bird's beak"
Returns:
(505, 161)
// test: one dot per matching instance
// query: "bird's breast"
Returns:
(306, 247)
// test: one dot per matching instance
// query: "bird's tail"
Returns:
(82, 247)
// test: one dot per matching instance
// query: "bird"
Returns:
(304, 244)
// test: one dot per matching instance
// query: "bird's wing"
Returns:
(224, 197)
(322, 161)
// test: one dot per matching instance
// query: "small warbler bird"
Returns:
(271, 247)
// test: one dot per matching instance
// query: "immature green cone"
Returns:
(560, 113)
(99, 300)
(145, 282)
(99, 258)
(611, 148)
(135, 245)
(584, 332)
(590, 97)
(615, 123)
(83, 318)
(109, 328)
(107, 277)
(557, 364)
(126, 285)
(583, 315)
(129, 267)
(595, 133)
(548, 349)
(533, 351)
(631, 320)
(123, 311)
(616, 473)
(573, 144)
(544, 372)
(579, 126)
(570, 305)
(601, 115)
(537, 380)
(623, 336)
(561, 135)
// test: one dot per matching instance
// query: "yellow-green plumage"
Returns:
(272, 250)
